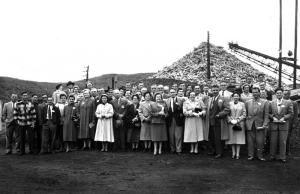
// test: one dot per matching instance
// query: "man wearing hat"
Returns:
(70, 86)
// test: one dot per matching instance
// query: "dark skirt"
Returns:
(133, 134)
(159, 132)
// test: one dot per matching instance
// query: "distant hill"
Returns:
(10, 85)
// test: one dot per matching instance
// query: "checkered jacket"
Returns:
(24, 113)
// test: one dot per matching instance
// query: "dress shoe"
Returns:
(272, 158)
(237, 157)
(283, 160)
(30, 152)
(250, 158)
(178, 153)
(262, 159)
(8, 152)
(218, 156)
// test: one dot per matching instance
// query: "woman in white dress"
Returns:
(236, 117)
(104, 131)
(194, 111)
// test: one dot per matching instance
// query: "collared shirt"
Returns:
(225, 93)
(172, 104)
(279, 103)
(24, 113)
(61, 107)
(49, 113)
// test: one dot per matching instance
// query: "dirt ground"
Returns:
(137, 172)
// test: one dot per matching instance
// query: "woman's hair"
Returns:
(135, 95)
(157, 95)
(146, 94)
(235, 93)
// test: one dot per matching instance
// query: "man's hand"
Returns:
(275, 119)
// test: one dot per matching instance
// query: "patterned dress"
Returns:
(145, 112)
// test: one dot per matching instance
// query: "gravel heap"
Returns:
(192, 67)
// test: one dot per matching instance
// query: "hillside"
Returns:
(11, 85)
(192, 66)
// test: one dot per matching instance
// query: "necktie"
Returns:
(223, 93)
(172, 103)
(49, 113)
(212, 102)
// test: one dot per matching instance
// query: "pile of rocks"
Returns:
(192, 67)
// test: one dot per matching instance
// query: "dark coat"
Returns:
(55, 115)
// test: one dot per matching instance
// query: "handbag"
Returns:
(119, 123)
(237, 127)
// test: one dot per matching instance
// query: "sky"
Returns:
(55, 40)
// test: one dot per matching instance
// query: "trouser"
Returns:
(11, 130)
(255, 138)
(37, 130)
(120, 138)
(48, 136)
(278, 137)
(215, 139)
(175, 136)
(290, 138)
(60, 138)
(27, 129)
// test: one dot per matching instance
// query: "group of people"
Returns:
(208, 116)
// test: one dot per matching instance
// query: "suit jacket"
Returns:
(119, 107)
(294, 119)
(177, 113)
(219, 107)
(8, 112)
(286, 112)
(130, 114)
(55, 115)
(257, 113)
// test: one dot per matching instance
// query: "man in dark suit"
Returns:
(293, 122)
(50, 118)
(218, 128)
(119, 105)
(175, 122)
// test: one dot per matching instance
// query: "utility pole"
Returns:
(208, 57)
(86, 71)
(295, 46)
(280, 43)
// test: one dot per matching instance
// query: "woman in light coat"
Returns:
(194, 112)
(104, 131)
(236, 118)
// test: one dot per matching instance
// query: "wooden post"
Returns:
(208, 57)
(280, 43)
(295, 46)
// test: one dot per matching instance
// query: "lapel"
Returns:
(274, 106)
